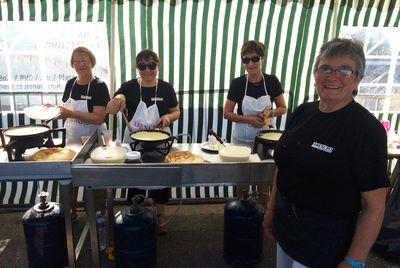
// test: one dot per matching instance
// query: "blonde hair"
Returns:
(87, 52)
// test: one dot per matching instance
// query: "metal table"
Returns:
(93, 176)
(59, 171)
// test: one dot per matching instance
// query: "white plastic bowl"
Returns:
(108, 154)
(234, 153)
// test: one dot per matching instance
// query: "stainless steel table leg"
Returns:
(91, 213)
(65, 196)
(110, 214)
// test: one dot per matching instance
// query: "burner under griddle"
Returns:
(162, 148)
(16, 146)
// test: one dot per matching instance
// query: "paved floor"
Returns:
(194, 239)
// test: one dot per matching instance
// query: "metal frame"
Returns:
(93, 176)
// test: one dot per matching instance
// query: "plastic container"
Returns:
(133, 157)
(101, 230)
(234, 153)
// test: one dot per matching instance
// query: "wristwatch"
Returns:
(353, 262)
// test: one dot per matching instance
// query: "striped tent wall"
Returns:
(198, 43)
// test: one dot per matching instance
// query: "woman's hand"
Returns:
(164, 121)
(115, 105)
(268, 113)
(64, 113)
(256, 121)
(267, 224)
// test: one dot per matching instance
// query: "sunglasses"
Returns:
(142, 66)
(254, 59)
(342, 70)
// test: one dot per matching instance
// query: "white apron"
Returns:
(75, 128)
(145, 118)
(244, 133)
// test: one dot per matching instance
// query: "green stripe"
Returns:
(192, 56)
(121, 42)
(212, 64)
(20, 10)
(341, 8)
(160, 19)
(24, 190)
(347, 13)
(103, 6)
(1, 13)
(368, 13)
(55, 11)
(10, 10)
(33, 192)
(182, 64)
(143, 28)
(397, 21)
(32, 11)
(149, 27)
(132, 38)
(3, 187)
(378, 13)
(357, 13)
(277, 40)
(304, 41)
(14, 186)
(54, 191)
(171, 51)
(390, 12)
(288, 44)
(260, 15)
(314, 49)
(267, 36)
(248, 21)
(78, 11)
(67, 10)
(202, 63)
(223, 60)
(89, 16)
(43, 7)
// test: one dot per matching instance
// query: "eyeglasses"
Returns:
(142, 66)
(78, 62)
(254, 59)
(342, 70)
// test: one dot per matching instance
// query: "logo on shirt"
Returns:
(322, 147)
(157, 99)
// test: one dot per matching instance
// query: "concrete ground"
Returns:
(194, 239)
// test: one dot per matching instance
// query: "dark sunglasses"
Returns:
(342, 70)
(254, 59)
(142, 66)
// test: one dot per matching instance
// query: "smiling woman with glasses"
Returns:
(151, 103)
(328, 198)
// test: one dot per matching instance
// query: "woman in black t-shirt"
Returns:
(254, 95)
(328, 199)
(151, 103)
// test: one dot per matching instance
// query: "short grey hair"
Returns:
(343, 47)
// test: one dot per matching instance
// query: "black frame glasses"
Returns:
(254, 59)
(345, 71)
(78, 62)
(151, 65)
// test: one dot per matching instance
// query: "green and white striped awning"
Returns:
(198, 42)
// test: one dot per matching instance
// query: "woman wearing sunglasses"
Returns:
(151, 103)
(328, 198)
(254, 95)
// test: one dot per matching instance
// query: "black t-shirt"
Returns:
(326, 159)
(98, 92)
(255, 90)
(166, 97)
